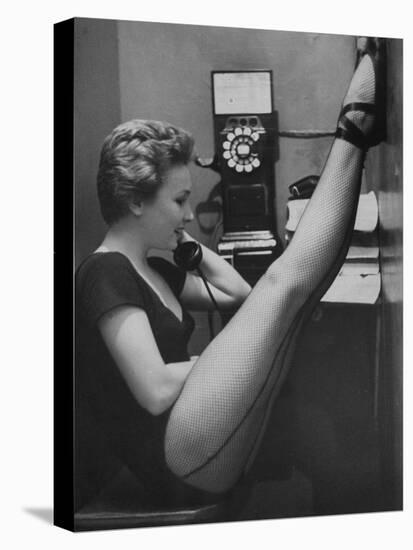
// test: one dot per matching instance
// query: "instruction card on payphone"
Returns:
(240, 92)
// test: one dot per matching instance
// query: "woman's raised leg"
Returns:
(215, 424)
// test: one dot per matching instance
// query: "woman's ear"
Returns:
(136, 208)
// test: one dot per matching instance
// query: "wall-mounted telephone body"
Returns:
(245, 140)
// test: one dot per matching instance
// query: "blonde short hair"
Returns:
(133, 159)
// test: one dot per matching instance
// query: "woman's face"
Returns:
(164, 217)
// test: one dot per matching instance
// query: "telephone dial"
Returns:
(242, 147)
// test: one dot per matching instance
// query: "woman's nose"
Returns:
(189, 215)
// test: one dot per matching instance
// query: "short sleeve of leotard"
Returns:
(105, 281)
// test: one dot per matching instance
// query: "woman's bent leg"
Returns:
(217, 420)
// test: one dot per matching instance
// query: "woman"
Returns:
(193, 427)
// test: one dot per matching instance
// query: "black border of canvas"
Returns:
(63, 202)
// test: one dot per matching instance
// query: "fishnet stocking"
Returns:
(215, 425)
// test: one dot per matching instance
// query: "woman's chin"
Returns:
(168, 245)
(176, 240)
(173, 243)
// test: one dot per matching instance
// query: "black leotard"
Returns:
(103, 282)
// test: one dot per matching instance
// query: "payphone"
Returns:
(245, 141)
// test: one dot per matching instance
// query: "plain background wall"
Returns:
(97, 112)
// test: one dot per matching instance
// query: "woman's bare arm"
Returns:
(128, 336)
(228, 287)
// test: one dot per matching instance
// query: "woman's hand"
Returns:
(186, 237)
(226, 284)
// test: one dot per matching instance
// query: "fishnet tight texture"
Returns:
(215, 426)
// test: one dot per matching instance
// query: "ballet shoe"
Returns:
(375, 48)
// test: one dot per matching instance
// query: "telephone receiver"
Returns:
(188, 256)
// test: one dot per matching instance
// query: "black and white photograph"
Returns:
(205, 233)
(238, 274)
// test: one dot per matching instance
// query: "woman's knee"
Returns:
(283, 278)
